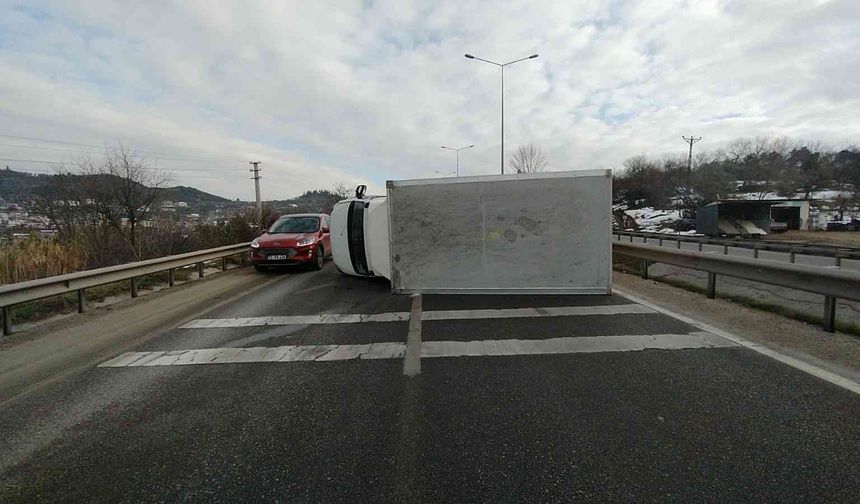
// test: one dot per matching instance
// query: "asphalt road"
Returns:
(519, 398)
(798, 301)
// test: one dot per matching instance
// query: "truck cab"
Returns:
(359, 230)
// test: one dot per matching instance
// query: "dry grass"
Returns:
(34, 258)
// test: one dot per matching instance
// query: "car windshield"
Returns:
(296, 225)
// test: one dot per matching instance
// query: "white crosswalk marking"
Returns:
(354, 318)
(585, 344)
(429, 349)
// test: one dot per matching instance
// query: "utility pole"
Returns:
(690, 140)
(256, 171)
(689, 190)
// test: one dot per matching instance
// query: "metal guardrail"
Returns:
(756, 245)
(832, 283)
(23, 292)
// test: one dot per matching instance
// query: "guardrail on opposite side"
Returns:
(833, 284)
(837, 252)
(23, 292)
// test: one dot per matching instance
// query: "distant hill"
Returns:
(21, 187)
(319, 201)
(191, 195)
(18, 186)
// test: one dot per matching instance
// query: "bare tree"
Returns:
(339, 191)
(123, 192)
(528, 159)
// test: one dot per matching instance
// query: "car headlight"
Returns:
(255, 243)
(305, 241)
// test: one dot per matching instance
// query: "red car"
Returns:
(291, 240)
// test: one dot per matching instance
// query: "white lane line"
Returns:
(816, 371)
(392, 350)
(412, 360)
(354, 318)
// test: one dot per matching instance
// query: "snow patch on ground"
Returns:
(653, 220)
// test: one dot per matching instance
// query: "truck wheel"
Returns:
(319, 259)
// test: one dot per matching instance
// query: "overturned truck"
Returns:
(524, 233)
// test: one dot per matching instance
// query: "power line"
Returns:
(64, 164)
(178, 156)
(31, 161)
(82, 151)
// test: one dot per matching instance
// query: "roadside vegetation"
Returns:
(752, 168)
(106, 212)
(31, 259)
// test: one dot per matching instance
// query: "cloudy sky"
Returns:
(366, 91)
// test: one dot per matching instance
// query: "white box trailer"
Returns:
(526, 233)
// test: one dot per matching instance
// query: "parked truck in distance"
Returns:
(546, 233)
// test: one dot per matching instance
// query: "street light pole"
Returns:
(458, 154)
(502, 66)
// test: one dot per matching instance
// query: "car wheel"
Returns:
(260, 269)
(319, 260)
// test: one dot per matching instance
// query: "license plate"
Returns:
(277, 258)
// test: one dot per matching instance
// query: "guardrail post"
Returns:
(619, 236)
(700, 246)
(200, 270)
(242, 257)
(755, 252)
(712, 285)
(725, 249)
(82, 301)
(223, 264)
(631, 238)
(830, 314)
(133, 281)
(645, 269)
(838, 261)
(791, 256)
(678, 243)
(660, 242)
(171, 277)
(7, 320)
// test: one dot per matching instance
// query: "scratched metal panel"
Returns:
(543, 233)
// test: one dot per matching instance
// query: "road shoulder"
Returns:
(30, 359)
(838, 353)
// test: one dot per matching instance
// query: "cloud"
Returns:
(359, 92)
